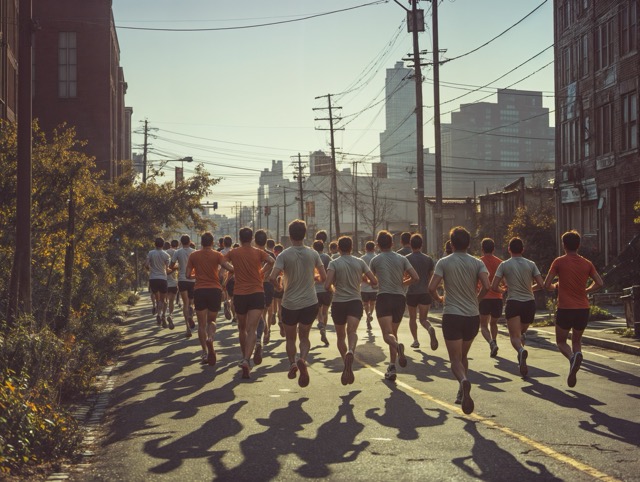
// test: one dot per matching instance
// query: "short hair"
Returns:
(260, 237)
(166, 245)
(185, 239)
(447, 247)
(159, 242)
(416, 241)
(516, 245)
(571, 240)
(345, 244)
(460, 238)
(278, 248)
(370, 246)
(174, 243)
(333, 246)
(318, 245)
(192, 245)
(322, 235)
(221, 242)
(405, 238)
(488, 245)
(207, 239)
(270, 243)
(227, 241)
(384, 239)
(297, 230)
(245, 235)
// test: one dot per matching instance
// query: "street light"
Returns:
(179, 171)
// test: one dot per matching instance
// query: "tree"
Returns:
(537, 229)
(373, 206)
(636, 208)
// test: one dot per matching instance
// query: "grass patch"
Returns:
(624, 332)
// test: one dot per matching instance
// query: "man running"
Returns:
(367, 291)
(299, 304)
(418, 297)
(491, 304)
(172, 282)
(460, 316)
(227, 245)
(278, 293)
(345, 274)
(518, 273)
(573, 272)
(158, 263)
(185, 285)
(249, 264)
(405, 240)
(324, 295)
(391, 269)
(202, 266)
(333, 249)
(264, 325)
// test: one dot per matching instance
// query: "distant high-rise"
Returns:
(398, 141)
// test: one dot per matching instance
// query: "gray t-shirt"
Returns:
(158, 260)
(518, 274)
(298, 264)
(405, 251)
(172, 278)
(348, 276)
(326, 259)
(389, 268)
(181, 256)
(366, 287)
(423, 265)
(460, 272)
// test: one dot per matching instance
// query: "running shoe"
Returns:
(192, 324)
(459, 397)
(227, 310)
(347, 374)
(303, 379)
(246, 369)
(170, 321)
(369, 318)
(164, 322)
(467, 402)
(293, 371)
(390, 374)
(153, 310)
(493, 345)
(234, 320)
(576, 361)
(204, 358)
(158, 320)
(257, 354)
(434, 340)
(211, 353)
(323, 337)
(369, 327)
(402, 360)
(415, 344)
(522, 362)
(187, 333)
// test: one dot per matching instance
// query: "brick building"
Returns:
(9, 59)
(78, 78)
(597, 75)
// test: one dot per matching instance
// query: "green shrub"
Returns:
(599, 314)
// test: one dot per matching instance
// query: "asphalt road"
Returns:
(169, 418)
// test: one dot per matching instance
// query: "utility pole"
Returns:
(436, 119)
(300, 178)
(144, 151)
(334, 172)
(253, 216)
(284, 210)
(355, 206)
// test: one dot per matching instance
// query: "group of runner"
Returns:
(260, 283)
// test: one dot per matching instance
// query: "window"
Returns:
(628, 27)
(570, 141)
(67, 65)
(604, 45)
(584, 56)
(630, 121)
(603, 133)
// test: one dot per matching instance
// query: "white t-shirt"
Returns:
(158, 260)
(298, 264)
(460, 272)
(181, 256)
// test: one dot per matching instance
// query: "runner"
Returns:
(299, 304)
(324, 296)
(518, 273)
(157, 263)
(249, 265)
(418, 297)
(264, 325)
(333, 249)
(271, 244)
(573, 271)
(491, 304)
(227, 243)
(185, 285)
(278, 293)
(172, 282)
(460, 316)
(391, 269)
(405, 240)
(322, 236)
(367, 291)
(203, 267)
(345, 274)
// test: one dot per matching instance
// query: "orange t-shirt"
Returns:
(247, 262)
(573, 272)
(491, 262)
(204, 265)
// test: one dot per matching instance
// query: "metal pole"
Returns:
(436, 118)
(300, 193)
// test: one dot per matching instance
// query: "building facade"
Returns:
(9, 60)
(597, 76)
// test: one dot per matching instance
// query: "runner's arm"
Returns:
(548, 282)
(371, 278)
(433, 288)
(331, 277)
(495, 283)
(483, 276)
(273, 277)
(597, 282)
(413, 277)
(539, 283)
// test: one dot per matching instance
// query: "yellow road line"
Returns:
(595, 473)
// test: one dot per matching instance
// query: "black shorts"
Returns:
(390, 305)
(526, 310)
(207, 299)
(244, 303)
(231, 283)
(277, 295)
(187, 286)
(577, 319)
(458, 327)
(324, 298)
(491, 306)
(340, 310)
(268, 293)
(368, 296)
(419, 299)
(156, 285)
(304, 316)
(172, 289)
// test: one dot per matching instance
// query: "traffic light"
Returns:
(215, 205)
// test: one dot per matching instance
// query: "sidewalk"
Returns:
(598, 333)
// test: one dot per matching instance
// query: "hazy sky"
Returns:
(236, 98)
